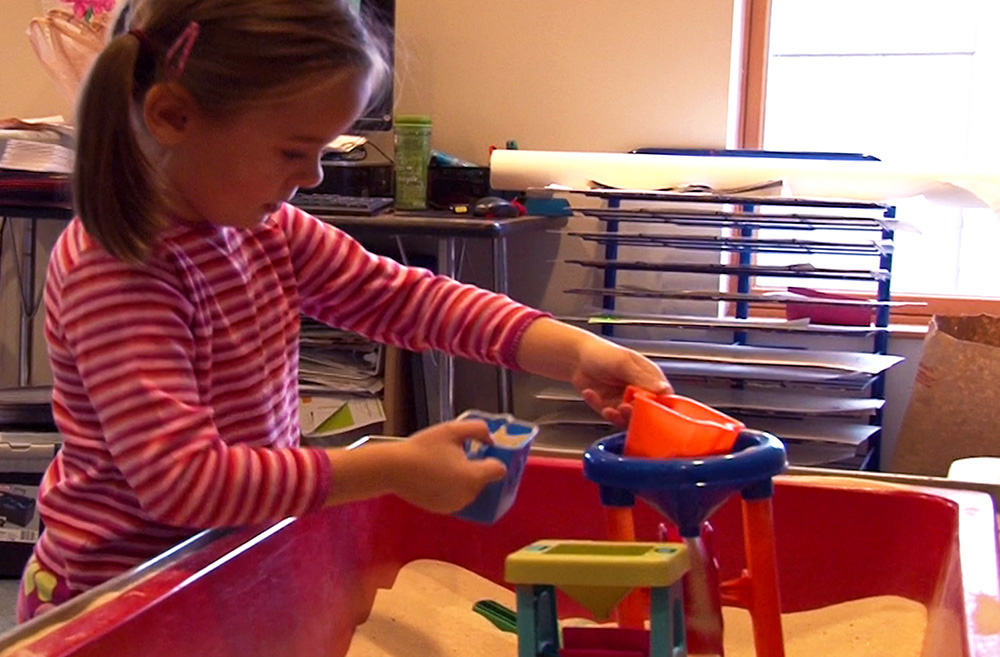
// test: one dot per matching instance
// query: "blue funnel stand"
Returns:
(686, 491)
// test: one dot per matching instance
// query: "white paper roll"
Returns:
(859, 180)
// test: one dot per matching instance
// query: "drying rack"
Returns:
(818, 386)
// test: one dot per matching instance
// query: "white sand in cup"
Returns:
(502, 438)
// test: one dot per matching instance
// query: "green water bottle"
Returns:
(413, 154)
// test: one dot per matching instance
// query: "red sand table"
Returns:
(301, 586)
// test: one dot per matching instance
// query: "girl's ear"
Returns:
(168, 111)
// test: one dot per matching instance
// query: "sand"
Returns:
(428, 612)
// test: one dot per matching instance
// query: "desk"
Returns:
(446, 228)
(32, 197)
(42, 196)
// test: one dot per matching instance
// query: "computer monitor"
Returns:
(382, 15)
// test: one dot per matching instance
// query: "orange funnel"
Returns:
(672, 426)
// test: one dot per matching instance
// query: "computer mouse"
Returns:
(494, 206)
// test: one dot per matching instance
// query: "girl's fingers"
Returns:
(593, 399)
(458, 431)
(489, 470)
(624, 414)
(614, 416)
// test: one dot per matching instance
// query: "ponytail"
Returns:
(114, 191)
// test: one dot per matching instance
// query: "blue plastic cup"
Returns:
(514, 442)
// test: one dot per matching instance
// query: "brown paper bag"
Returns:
(954, 411)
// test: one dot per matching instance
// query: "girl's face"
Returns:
(237, 171)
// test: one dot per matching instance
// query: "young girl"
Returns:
(173, 299)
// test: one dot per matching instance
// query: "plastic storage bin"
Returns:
(24, 456)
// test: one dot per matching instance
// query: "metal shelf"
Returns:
(833, 399)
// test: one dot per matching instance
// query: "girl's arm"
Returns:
(598, 368)
(429, 469)
(342, 284)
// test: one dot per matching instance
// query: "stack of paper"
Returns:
(335, 361)
(340, 380)
(37, 145)
(807, 398)
(330, 415)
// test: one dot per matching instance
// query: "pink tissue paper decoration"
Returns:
(89, 8)
(68, 43)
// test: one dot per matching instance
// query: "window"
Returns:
(900, 80)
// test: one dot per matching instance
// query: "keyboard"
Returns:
(320, 204)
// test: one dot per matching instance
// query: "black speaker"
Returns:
(355, 179)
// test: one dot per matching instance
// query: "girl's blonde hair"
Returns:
(247, 52)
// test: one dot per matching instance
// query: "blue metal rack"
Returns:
(743, 217)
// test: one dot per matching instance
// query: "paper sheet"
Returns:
(858, 180)
(330, 415)
(35, 156)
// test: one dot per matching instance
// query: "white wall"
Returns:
(566, 74)
(26, 89)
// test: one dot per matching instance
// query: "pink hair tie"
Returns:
(179, 52)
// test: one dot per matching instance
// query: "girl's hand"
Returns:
(603, 371)
(598, 368)
(433, 471)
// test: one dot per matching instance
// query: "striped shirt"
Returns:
(175, 382)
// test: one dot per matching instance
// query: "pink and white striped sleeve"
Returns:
(128, 336)
(344, 285)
